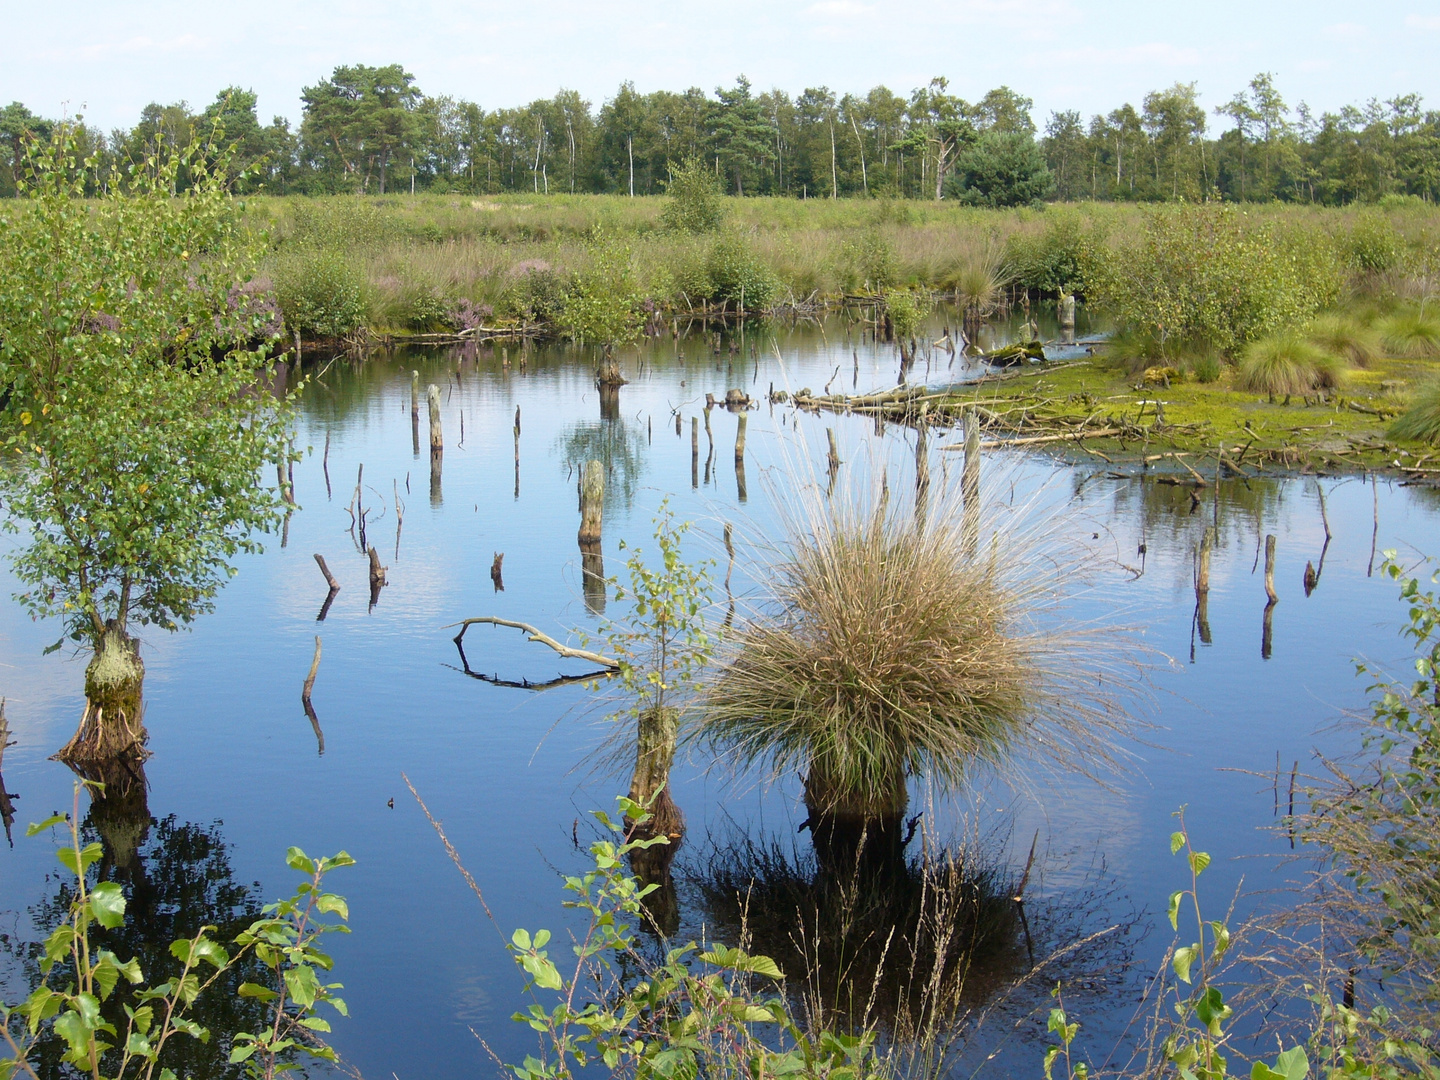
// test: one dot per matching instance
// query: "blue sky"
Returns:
(112, 58)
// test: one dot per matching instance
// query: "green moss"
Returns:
(1344, 430)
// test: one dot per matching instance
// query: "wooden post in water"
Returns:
(1267, 629)
(694, 452)
(970, 482)
(517, 451)
(592, 560)
(437, 442)
(592, 502)
(922, 463)
(740, 487)
(415, 412)
(1202, 585)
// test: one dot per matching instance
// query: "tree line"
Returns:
(371, 130)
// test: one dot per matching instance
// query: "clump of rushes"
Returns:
(1420, 422)
(1339, 335)
(895, 647)
(1287, 363)
(1411, 334)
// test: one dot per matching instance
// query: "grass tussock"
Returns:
(1411, 334)
(1421, 421)
(894, 647)
(1353, 340)
(1287, 363)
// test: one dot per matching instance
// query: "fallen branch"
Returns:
(1034, 440)
(536, 635)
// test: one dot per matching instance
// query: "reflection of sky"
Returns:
(510, 772)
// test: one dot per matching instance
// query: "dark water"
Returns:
(510, 771)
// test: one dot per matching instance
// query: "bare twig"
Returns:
(537, 635)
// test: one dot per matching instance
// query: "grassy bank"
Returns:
(413, 261)
(1092, 410)
(1316, 311)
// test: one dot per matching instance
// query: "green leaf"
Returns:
(298, 860)
(107, 904)
(1177, 841)
(542, 971)
(40, 826)
(255, 990)
(1199, 860)
(1175, 908)
(304, 987)
(1183, 958)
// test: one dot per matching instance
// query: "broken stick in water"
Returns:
(538, 636)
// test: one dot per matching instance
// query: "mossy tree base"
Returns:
(111, 727)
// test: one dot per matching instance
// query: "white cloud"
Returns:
(138, 46)
(1343, 32)
(1153, 53)
(1423, 22)
(839, 9)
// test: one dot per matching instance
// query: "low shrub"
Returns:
(1373, 245)
(694, 203)
(867, 264)
(738, 275)
(536, 293)
(1207, 273)
(1065, 256)
(1287, 363)
(320, 294)
(1421, 421)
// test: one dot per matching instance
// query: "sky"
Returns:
(109, 59)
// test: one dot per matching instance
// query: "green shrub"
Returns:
(1372, 245)
(1063, 257)
(602, 305)
(868, 264)
(337, 223)
(738, 275)
(907, 309)
(1411, 334)
(1207, 273)
(1206, 367)
(1287, 363)
(1421, 422)
(694, 203)
(320, 294)
(1002, 168)
(537, 293)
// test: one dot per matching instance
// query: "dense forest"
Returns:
(372, 130)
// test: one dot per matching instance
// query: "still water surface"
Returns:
(513, 774)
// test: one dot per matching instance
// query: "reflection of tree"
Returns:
(615, 446)
(932, 942)
(177, 878)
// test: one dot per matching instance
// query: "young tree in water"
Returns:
(134, 418)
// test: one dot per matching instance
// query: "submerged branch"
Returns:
(537, 635)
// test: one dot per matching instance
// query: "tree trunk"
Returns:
(111, 728)
(655, 737)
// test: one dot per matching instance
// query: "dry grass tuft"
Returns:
(1286, 363)
(893, 648)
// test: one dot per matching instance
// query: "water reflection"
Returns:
(929, 936)
(177, 878)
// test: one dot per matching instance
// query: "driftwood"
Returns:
(540, 636)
